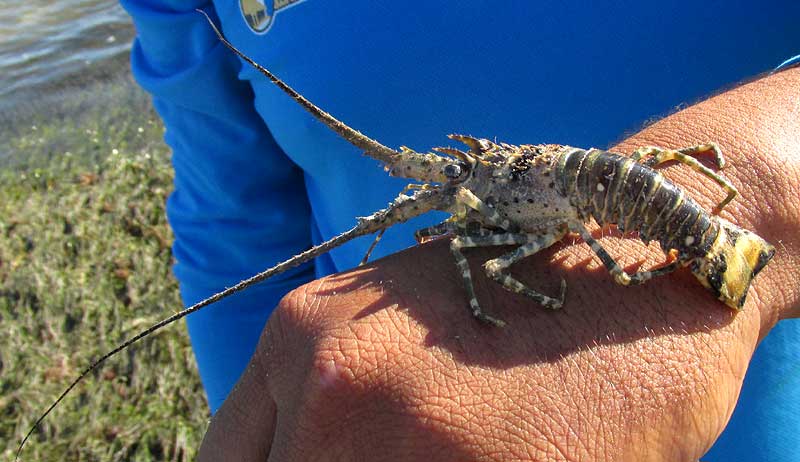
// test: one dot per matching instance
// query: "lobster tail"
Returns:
(735, 258)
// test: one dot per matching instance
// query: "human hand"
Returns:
(385, 363)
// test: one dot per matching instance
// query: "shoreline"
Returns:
(57, 118)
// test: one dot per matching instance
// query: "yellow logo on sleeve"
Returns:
(260, 14)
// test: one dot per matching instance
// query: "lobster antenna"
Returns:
(371, 147)
(364, 227)
(401, 209)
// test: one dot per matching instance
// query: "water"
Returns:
(48, 47)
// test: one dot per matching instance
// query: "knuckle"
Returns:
(308, 310)
(287, 342)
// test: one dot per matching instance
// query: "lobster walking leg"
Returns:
(530, 244)
(472, 227)
(620, 276)
(461, 242)
(445, 227)
(685, 156)
(494, 268)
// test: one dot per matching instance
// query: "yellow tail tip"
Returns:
(735, 258)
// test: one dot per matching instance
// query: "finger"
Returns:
(243, 428)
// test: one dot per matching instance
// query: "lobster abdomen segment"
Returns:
(616, 189)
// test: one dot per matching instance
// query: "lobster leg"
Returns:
(620, 276)
(461, 242)
(472, 228)
(685, 156)
(530, 244)
(445, 227)
(495, 268)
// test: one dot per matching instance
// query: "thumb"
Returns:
(243, 428)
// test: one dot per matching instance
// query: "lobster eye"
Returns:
(452, 171)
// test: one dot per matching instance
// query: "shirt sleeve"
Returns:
(791, 62)
(239, 204)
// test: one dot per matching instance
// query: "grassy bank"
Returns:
(84, 263)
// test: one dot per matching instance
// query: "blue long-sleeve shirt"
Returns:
(257, 180)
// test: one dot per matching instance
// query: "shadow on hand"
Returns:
(424, 282)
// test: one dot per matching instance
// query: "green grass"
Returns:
(85, 262)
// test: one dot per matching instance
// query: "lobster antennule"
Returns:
(456, 153)
(370, 147)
